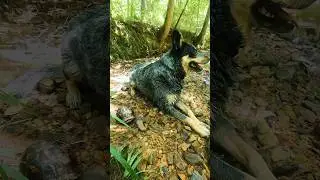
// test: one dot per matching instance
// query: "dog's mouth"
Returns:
(271, 15)
(196, 63)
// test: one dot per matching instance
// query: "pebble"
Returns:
(285, 73)
(46, 86)
(196, 176)
(179, 162)
(308, 115)
(311, 106)
(190, 170)
(192, 158)
(12, 110)
(170, 158)
(192, 138)
(59, 111)
(184, 146)
(140, 124)
(279, 154)
(182, 176)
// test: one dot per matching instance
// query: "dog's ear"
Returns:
(176, 39)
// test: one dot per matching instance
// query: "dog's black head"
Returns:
(186, 54)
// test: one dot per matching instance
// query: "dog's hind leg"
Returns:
(197, 126)
(184, 108)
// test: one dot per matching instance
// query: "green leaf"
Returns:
(118, 156)
(8, 98)
(119, 120)
(12, 173)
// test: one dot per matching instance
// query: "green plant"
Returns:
(113, 116)
(11, 100)
(129, 158)
(7, 173)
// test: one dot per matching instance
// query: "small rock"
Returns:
(279, 154)
(192, 158)
(259, 71)
(185, 135)
(285, 73)
(196, 176)
(285, 168)
(170, 158)
(308, 115)
(12, 110)
(311, 106)
(164, 171)
(46, 86)
(290, 112)
(190, 170)
(196, 145)
(184, 146)
(264, 114)
(179, 162)
(59, 111)
(260, 102)
(126, 114)
(192, 138)
(151, 158)
(198, 112)
(173, 177)
(140, 124)
(188, 128)
(182, 176)
(268, 140)
(59, 80)
(284, 120)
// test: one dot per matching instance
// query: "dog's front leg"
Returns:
(184, 108)
(197, 126)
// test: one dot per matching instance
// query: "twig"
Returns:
(14, 123)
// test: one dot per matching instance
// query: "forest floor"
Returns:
(275, 103)
(169, 148)
(27, 52)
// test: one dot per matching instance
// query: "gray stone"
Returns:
(311, 106)
(12, 110)
(46, 86)
(260, 71)
(279, 154)
(196, 176)
(192, 158)
(285, 73)
(179, 162)
(308, 115)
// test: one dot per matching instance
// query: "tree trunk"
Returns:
(128, 8)
(200, 37)
(167, 23)
(142, 10)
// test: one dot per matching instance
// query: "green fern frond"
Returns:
(129, 159)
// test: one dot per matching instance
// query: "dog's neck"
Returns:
(174, 64)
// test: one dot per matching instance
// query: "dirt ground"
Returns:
(275, 103)
(170, 149)
(25, 49)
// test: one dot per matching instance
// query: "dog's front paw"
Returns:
(73, 100)
(201, 128)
